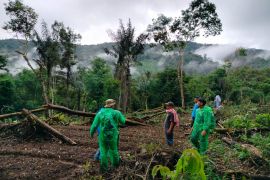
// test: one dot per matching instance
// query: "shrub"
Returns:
(263, 119)
(189, 166)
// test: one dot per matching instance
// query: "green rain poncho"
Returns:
(203, 121)
(108, 119)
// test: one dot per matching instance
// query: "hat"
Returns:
(202, 101)
(170, 103)
(109, 103)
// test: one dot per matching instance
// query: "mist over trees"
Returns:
(175, 33)
(55, 75)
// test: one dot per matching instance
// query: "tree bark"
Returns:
(31, 117)
(85, 114)
(3, 116)
(68, 83)
(127, 88)
(181, 78)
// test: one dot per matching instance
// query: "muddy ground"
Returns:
(50, 159)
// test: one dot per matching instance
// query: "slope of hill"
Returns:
(199, 58)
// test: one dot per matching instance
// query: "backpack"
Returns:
(108, 126)
(213, 120)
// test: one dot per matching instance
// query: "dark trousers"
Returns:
(169, 138)
(192, 122)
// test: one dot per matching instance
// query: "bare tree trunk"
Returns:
(180, 70)
(128, 84)
(67, 83)
(120, 78)
(124, 91)
(79, 100)
(146, 103)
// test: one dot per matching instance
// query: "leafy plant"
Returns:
(263, 119)
(189, 166)
(241, 121)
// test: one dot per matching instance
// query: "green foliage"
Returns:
(199, 17)
(247, 121)
(7, 91)
(22, 18)
(28, 91)
(99, 84)
(243, 154)
(239, 121)
(189, 166)
(165, 85)
(3, 63)
(263, 119)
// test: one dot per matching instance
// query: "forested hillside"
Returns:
(154, 58)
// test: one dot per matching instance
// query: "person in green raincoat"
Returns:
(203, 125)
(108, 120)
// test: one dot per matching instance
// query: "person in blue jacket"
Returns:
(195, 107)
(97, 154)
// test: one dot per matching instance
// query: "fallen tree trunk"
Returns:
(152, 111)
(69, 111)
(250, 148)
(86, 114)
(150, 117)
(31, 117)
(3, 116)
(245, 174)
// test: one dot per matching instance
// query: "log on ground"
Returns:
(3, 116)
(31, 117)
(86, 114)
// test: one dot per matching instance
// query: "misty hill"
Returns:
(199, 58)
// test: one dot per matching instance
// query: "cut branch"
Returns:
(250, 148)
(31, 117)
(85, 114)
(69, 111)
(3, 116)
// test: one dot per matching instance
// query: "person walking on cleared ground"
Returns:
(203, 126)
(108, 120)
(217, 101)
(171, 121)
(195, 107)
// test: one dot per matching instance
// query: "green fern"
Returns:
(189, 166)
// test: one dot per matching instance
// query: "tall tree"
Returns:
(200, 17)
(48, 51)
(22, 22)
(126, 49)
(67, 39)
(53, 48)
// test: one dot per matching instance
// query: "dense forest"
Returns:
(91, 86)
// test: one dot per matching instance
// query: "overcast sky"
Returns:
(245, 22)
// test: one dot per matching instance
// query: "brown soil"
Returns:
(51, 159)
(48, 158)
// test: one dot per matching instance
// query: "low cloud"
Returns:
(217, 53)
